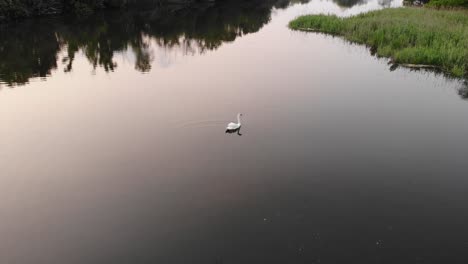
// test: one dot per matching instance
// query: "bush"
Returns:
(448, 3)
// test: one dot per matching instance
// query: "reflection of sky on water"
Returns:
(165, 56)
(332, 7)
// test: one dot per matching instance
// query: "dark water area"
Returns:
(113, 143)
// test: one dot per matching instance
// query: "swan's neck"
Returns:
(238, 119)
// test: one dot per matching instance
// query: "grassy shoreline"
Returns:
(408, 36)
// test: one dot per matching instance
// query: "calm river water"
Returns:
(112, 143)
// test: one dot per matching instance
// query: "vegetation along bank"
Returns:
(410, 36)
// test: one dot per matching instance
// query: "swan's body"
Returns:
(234, 126)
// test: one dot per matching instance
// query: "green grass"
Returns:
(406, 35)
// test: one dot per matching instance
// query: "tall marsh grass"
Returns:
(406, 35)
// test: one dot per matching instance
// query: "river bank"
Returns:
(410, 36)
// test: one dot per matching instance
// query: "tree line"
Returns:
(17, 9)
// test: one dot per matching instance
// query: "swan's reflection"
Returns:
(237, 131)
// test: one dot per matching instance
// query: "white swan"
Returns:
(234, 126)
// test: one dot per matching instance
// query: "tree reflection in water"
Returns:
(351, 3)
(31, 48)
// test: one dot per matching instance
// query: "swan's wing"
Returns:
(231, 126)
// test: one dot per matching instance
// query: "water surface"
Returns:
(113, 147)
